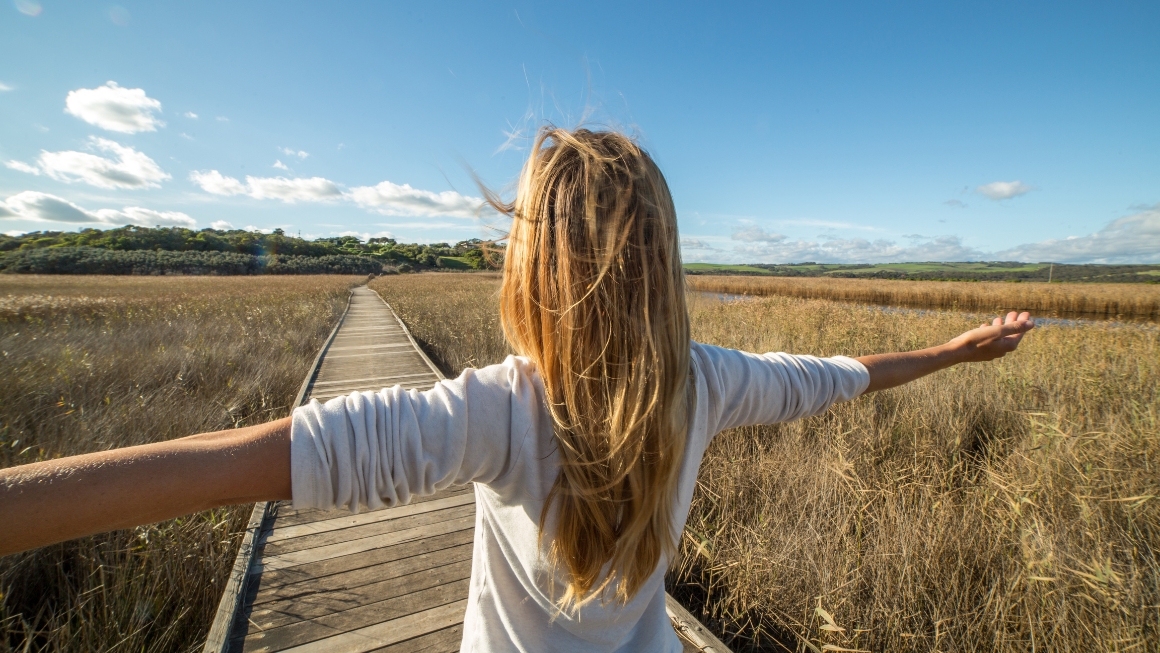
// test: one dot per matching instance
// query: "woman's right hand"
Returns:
(991, 341)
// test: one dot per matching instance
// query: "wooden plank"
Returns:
(324, 568)
(365, 575)
(309, 528)
(315, 605)
(385, 377)
(388, 632)
(364, 544)
(440, 641)
(372, 529)
(288, 516)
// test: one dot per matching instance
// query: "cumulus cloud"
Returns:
(291, 152)
(279, 165)
(1131, 239)
(190, 114)
(695, 243)
(857, 250)
(124, 110)
(1003, 190)
(42, 207)
(755, 234)
(385, 198)
(394, 199)
(221, 225)
(312, 189)
(127, 169)
(216, 183)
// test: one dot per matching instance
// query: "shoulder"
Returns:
(515, 375)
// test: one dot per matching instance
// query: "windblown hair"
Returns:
(594, 294)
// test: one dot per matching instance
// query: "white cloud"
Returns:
(190, 114)
(856, 250)
(42, 207)
(222, 119)
(130, 168)
(260, 230)
(312, 189)
(695, 243)
(386, 198)
(1004, 190)
(216, 183)
(23, 167)
(221, 225)
(124, 110)
(1131, 239)
(4, 87)
(755, 234)
(279, 165)
(290, 152)
(186, 136)
(394, 199)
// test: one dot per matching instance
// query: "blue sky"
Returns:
(841, 132)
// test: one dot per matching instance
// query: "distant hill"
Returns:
(973, 271)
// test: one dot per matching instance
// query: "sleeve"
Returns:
(378, 449)
(745, 389)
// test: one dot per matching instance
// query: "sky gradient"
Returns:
(789, 132)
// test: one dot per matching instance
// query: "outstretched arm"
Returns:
(985, 343)
(61, 499)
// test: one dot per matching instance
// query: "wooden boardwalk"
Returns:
(390, 580)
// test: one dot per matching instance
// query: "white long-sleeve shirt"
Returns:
(490, 427)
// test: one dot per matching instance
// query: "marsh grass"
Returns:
(1010, 506)
(1107, 300)
(91, 363)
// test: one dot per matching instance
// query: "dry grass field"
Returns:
(91, 363)
(1108, 300)
(1012, 506)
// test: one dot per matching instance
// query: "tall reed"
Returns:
(991, 507)
(91, 363)
(1055, 299)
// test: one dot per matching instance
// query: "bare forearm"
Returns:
(890, 370)
(985, 343)
(66, 498)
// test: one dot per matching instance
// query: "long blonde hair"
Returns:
(594, 294)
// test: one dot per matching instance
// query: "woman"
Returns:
(584, 448)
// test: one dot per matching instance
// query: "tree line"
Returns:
(177, 250)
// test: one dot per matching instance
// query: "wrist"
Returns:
(949, 354)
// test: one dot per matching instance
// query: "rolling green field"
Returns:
(932, 271)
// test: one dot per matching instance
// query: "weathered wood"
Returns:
(389, 631)
(365, 575)
(373, 529)
(323, 568)
(288, 516)
(317, 605)
(349, 520)
(694, 636)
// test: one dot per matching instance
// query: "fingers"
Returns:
(997, 322)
